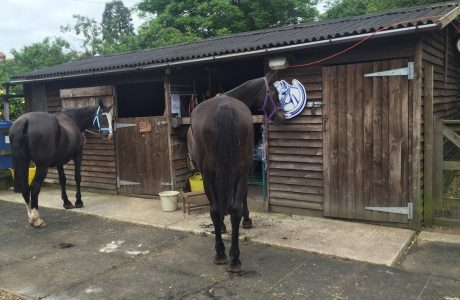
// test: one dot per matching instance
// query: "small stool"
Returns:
(189, 199)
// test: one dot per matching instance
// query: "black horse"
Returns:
(221, 143)
(52, 140)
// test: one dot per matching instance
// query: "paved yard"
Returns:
(87, 257)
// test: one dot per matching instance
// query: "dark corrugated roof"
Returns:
(247, 41)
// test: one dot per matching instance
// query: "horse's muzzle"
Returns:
(106, 135)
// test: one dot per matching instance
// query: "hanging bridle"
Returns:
(268, 95)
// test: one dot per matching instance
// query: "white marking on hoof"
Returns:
(111, 247)
(28, 210)
(35, 219)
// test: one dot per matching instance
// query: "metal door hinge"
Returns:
(165, 184)
(409, 72)
(121, 182)
(409, 210)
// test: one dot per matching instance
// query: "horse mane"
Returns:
(249, 92)
(82, 115)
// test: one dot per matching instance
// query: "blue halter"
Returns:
(97, 123)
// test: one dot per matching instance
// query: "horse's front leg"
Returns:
(77, 160)
(236, 214)
(34, 219)
(62, 182)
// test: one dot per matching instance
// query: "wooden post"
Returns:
(6, 106)
(438, 164)
(428, 148)
(416, 223)
(167, 114)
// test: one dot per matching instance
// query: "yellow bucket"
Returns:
(196, 183)
(31, 173)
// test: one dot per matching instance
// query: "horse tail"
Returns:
(227, 141)
(20, 154)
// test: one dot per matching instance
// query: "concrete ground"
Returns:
(81, 256)
(347, 240)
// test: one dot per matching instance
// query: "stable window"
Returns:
(140, 99)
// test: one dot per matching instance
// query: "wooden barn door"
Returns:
(366, 141)
(143, 155)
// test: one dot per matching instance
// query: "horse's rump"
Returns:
(222, 128)
(20, 153)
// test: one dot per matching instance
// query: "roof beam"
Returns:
(449, 17)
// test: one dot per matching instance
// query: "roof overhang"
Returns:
(274, 50)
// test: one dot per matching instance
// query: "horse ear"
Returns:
(101, 103)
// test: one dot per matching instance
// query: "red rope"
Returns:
(361, 41)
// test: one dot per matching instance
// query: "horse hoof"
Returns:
(68, 205)
(247, 224)
(78, 204)
(220, 260)
(235, 268)
(39, 223)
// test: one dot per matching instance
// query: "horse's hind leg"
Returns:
(35, 220)
(220, 258)
(247, 222)
(62, 182)
(236, 215)
(77, 160)
(25, 186)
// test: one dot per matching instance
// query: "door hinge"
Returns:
(409, 72)
(121, 182)
(409, 210)
(165, 184)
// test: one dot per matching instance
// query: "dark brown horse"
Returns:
(52, 140)
(220, 142)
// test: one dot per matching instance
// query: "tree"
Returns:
(39, 55)
(153, 35)
(348, 8)
(90, 30)
(116, 23)
(205, 19)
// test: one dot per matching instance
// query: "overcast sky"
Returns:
(23, 22)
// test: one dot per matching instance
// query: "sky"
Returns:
(24, 22)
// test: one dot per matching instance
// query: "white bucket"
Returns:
(169, 200)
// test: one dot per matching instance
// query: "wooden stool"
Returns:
(189, 199)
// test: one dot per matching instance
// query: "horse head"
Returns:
(272, 106)
(103, 120)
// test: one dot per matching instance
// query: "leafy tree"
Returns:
(348, 8)
(153, 35)
(204, 18)
(35, 56)
(90, 30)
(116, 23)
(43, 54)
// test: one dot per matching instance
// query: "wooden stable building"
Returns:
(375, 84)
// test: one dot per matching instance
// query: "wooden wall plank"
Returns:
(295, 154)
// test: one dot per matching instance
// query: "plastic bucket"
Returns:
(169, 200)
(31, 174)
(196, 183)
